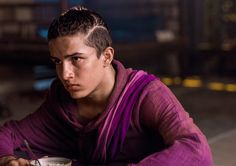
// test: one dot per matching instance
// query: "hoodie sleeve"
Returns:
(163, 113)
(37, 128)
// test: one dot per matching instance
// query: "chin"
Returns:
(77, 95)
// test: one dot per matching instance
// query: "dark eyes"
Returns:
(56, 61)
(75, 58)
(72, 59)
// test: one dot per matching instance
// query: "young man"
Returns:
(99, 112)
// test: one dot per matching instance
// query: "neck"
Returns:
(102, 93)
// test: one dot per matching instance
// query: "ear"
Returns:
(108, 56)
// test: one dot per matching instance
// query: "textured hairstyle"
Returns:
(82, 20)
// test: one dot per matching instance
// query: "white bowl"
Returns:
(52, 161)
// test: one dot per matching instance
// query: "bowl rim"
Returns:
(50, 159)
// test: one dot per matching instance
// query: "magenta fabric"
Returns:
(160, 131)
(114, 128)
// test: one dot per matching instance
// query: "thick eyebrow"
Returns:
(67, 56)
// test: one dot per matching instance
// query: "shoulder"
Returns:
(157, 101)
(157, 92)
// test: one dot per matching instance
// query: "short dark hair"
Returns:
(82, 20)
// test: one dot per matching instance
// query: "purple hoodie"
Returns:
(160, 131)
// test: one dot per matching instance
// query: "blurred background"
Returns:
(189, 44)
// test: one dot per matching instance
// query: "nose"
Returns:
(67, 71)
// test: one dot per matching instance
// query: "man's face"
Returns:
(77, 66)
